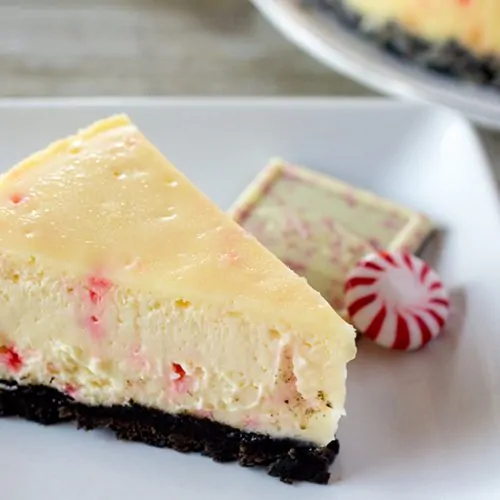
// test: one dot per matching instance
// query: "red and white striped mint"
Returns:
(396, 300)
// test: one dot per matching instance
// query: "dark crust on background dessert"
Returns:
(447, 58)
(283, 458)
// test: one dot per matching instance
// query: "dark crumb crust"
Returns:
(449, 58)
(285, 459)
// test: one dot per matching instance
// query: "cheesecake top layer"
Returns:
(106, 199)
(473, 23)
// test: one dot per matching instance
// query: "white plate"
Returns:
(422, 425)
(324, 38)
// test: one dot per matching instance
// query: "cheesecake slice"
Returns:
(129, 301)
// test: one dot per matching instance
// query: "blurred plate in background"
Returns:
(319, 34)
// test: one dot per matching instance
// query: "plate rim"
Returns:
(201, 100)
(274, 101)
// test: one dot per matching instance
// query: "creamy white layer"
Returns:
(103, 344)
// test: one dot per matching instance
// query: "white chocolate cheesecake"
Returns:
(126, 293)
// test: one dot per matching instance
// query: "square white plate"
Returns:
(421, 425)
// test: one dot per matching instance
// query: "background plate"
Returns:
(422, 425)
(319, 34)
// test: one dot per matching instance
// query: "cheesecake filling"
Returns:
(102, 345)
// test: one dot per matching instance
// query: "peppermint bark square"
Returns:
(321, 226)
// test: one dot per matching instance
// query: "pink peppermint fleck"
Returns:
(267, 186)
(375, 243)
(94, 327)
(94, 303)
(204, 414)
(329, 223)
(289, 223)
(290, 175)
(297, 267)
(180, 383)
(70, 390)
(298, 225)
(278, 200)
(350, 198)
(335, 258)
(138, 359)
(310, 252)
(98, 287)
(390, 223)
(251, 422)
(11, 358)
(306, 228)
(243, 214)
(231, 256)
(17, 198)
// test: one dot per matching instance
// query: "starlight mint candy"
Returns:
(396, 300)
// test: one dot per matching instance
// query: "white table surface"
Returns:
(158, 47)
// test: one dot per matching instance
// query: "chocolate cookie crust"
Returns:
(285, 459)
